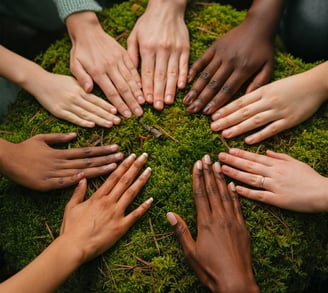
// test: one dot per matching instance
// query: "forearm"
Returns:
(177, 6)
(4, 145)
(48, 271)
(19, 70)
(264, 16)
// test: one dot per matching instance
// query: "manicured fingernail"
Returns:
(132, 156)
(232, 186)
(171, 218)
(207, 159)
(199, 165)
(144, 155)
(217, 167)
(148, 170)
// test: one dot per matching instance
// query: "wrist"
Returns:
(79, 23)
(4, 145)
(246, 283)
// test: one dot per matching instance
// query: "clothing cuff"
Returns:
(67, 7)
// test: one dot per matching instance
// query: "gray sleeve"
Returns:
(67, 7)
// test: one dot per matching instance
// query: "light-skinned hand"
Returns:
(277, 106)
(97, 57)
(161, 39)
(33, 163)
(277, 179)
(221, 255)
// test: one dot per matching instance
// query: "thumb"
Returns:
(82, 76)
(182, 232)
(78, 194)
(133, 50)
(51, 138)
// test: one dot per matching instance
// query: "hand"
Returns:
(276, 106)
(240, 55)
(161, 38)
(98, 223)
(95, 56)
(287, 183)
(34, 164)
(62, 96)
(221, 255)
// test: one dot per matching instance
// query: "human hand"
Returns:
(221, 255)
(96, 56)
(62, 96)
(34, 164)
(161, 38)
(277, 106)
(287, 183)
(98, 223)
(241, 54)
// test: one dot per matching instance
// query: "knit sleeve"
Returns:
(67, 7)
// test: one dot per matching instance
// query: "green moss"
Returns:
(287, 247)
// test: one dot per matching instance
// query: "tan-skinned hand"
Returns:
(278, 179)
(221, 255)
(98, 223)
(54, 168)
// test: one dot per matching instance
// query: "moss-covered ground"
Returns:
(288, 248)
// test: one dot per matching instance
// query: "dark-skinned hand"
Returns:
(221, 255)
(240, 55)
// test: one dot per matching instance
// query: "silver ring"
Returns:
(261, 181)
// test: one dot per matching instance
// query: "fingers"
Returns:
(262, 78)
(147, 74)
(160, 78)
(53, 138)
(266, 197)
(200, 194)
(78, 195)
(133, 49)
(136, 214)
(183, 68)
(128, 176)
(182, 233)
(236, 203)
(83, 78)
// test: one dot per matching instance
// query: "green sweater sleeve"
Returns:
(67, 7)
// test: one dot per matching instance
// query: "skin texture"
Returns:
(89, 228)
(221, 255)
(59, 94)
(277, 179)
(160, 38)
(54, 168)
(234, 59)
(274, 107)
(90, 61)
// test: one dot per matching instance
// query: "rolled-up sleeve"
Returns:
(67, 7)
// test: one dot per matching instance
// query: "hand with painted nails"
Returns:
(34, 164)
(277, 106)
(244, 53)
(279, 180)
(161, 38)
(89, 228)
(97, 57)
(221, 254)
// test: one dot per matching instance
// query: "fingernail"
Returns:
(168, 99)
(216, 116)
(132, 156)
(249, 139)
(207, 159)
(187, 99)
(127, 114)
(191, 108)
(181, 84)
(139, 84)
(227, 133)
(149, 200)
(141, 99)
(116, 120)
(118, 156)
(232, 186)
(87, 86)
(207, 108)
(171, 218)
(144, 155)
(108, 124)
(148, 170)
(149, 98)
(199, 165)
(138, 111)
(158, 105)
(217, 167)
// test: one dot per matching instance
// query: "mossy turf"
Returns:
(288, 248)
